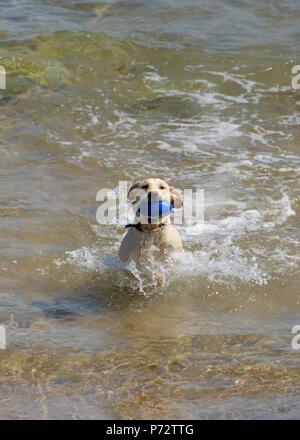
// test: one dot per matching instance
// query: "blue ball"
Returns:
(155, 210)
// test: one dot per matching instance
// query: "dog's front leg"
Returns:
(171, 243)
(129, 246)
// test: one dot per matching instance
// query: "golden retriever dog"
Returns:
(155, 240)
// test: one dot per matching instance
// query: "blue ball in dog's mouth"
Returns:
(155, 210)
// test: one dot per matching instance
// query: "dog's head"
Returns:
(156, 190)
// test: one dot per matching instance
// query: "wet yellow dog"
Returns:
(146, 242)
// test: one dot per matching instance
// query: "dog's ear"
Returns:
(176, 199)
(134, 193)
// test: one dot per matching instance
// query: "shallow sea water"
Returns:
(199, 93)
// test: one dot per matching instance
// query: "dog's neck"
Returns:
(149, 227)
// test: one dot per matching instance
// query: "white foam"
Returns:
(221, 265)
(90, 259)
(279, 89)
(155, 77)
(214, 252)
(247, 84)
(207, 132)
(280, 210)
(293, 119)
(273, 213)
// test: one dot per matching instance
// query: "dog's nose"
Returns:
(153, 196)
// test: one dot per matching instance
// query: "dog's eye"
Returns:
(145, 186)
(162, 187)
